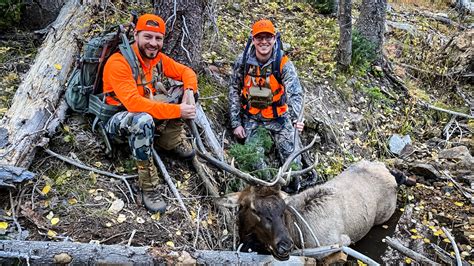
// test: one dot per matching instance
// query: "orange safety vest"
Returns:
(278, 106)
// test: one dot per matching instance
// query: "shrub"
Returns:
(363, 51)
(10, 13)
(324, 6)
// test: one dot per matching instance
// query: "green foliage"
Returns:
(249, 154)
(323, 6)
(10, 13)
(363, 52)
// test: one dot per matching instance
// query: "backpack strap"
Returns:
(244, 60)
(127, 52)
(276, 63)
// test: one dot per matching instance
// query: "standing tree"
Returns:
(344, 51)
(184, 29)
(371, 24)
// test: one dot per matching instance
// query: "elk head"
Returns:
(261, 215)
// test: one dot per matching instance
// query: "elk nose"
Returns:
(284, 246)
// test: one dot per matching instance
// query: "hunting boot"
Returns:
(184, 150)
(148, 181)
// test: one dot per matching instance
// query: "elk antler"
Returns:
(278, 179)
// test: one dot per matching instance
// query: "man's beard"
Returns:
(145, 55)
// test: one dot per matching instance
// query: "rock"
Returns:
(62, 258)
(458, 152)
(425, 170)
(397, 143)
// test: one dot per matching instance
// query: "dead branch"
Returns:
(88, 168)
(170, 183)
(455, 246)
(395, 244)
(427, 105)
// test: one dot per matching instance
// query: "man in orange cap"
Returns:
(265, 92)
(149, 110)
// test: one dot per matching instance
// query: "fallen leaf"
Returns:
(51, 233)
(178, 233)
(98, 164)
(140, 220)
(72, 201)
(407, 260)
(54, 221)
(459, 204)
(414, 230)
(426, 240)
(50, 215)
(46, 189)
(116, 206)
(156, 216)
(438, 232)
(121, 218)
(170, 244)
(108, 224)
(3, 225)
(58, 66)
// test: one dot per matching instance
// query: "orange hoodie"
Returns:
(118, 78)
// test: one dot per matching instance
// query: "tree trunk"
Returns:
(38, 253)
(344, 52)
(464, 6)
(184, 29)
(38, 14)
(371, 23)
(37, 107)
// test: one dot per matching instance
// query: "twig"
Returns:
(394, 243)
(128, 201)
(315, 252)
(171, 184)
(427, 105)
(131, 237)
(466, 192)
(197, 227)
(15, 221)
(301, 238)
(455, 246)
(359, 256)
(307, 225)
(88, 168)
(111, 237)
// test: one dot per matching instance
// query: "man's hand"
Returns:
(187, 111)
(239, 132)
(299, 126)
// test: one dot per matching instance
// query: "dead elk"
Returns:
(340, 211)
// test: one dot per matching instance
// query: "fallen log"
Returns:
(36, 101)
(40, 252)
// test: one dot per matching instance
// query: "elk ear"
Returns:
(284, 196)
(230, 200)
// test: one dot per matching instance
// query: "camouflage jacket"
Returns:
(294, 91)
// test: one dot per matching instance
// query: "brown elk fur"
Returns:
(341, 211)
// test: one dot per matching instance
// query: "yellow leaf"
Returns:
(414, 230)
(3, 225)
(72, 201)
(402, 209)
(170, 244)
(459, 204)
(98, 164)
(426, 240)
(178, 233)
(193, 215)
(414, 237)
(360, 263)
(50, 215)
(438, 232)
(51, 233)
(55, 220)
(407, 260)
(58, 66)
(446, 240)
(46, 189)
(450, 184)
(156, 216)
(67, 128)
(178, 185)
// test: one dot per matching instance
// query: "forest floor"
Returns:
(355, 113)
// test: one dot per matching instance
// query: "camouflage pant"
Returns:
(139, 129)
(282, 132)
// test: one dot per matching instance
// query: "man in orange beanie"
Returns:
(265, 92)
(149, 109)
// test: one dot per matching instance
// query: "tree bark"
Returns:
(184, 29)
(34, 109)
(371, 24)
(39, 252)
(344, 52)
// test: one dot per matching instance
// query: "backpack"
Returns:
(275, 65)
(84, 88)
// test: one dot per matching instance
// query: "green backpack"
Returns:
(84, 88)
